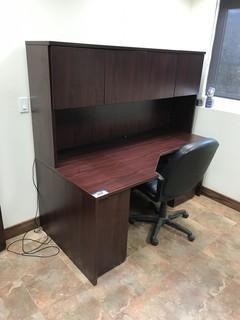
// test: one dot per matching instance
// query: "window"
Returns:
(224, 72)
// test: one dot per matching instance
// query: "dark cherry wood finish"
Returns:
(102, 46)
(2, 234)
(139, 75)
(20, 228)
(86, 140)
(112, 229)
(221, 198)
(67, 214)
(42, 117)
(189, 70)
(161, 82)
(77, 77)
(182, 113)
(92, 232)
(85, 126)
(119, 166)
(126, 76)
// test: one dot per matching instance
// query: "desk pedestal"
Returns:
(92, 232)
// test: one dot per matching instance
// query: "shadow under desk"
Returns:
(85, 202)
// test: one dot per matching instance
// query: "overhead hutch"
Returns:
(102, 116)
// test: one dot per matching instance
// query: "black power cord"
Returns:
(43, 244)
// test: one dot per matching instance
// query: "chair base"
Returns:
(159, 219)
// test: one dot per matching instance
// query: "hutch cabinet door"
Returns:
(126, 77)
(77, 77)
(189, 69)
(161, 81)
(139, 75)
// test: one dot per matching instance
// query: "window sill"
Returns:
(225, 105)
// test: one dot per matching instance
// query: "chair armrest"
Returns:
(160, 182)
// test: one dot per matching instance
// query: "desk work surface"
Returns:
(118, 166)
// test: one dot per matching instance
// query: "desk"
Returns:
(118, 166)
(103, 103)
(93, 231)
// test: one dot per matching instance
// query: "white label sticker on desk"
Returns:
(100, 193)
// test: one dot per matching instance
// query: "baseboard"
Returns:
(19, 228)
(221, 198)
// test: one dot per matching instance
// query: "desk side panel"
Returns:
(67, 214)
(42, 118)
(112, 230)
(188, 76)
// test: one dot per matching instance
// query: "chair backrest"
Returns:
(186, 167)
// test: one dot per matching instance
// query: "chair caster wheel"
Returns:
(191, 237)
(185, 215)
(154, 242)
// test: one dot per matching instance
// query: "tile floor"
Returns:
(176, 280)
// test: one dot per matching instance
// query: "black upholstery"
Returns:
(186, 167)
(182, 171)
(150, 189)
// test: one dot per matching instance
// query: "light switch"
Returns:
(23, 104)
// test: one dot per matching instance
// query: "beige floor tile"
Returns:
(203, 270)
(175, 298)
(226, 306)
(137, 236)
(16, 302)
(36, 316)
(176, 280)
(224, 253)
(218, 208)
(83, 306)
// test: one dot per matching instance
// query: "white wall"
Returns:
(224, 172)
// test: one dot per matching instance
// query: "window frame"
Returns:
(225, 5)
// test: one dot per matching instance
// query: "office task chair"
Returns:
(180, 173)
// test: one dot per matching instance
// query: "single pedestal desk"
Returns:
(102, 117)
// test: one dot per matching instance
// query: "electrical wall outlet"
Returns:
(23, 104)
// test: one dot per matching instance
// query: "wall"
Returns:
(150, 23)
(171, 24)
(224, 172)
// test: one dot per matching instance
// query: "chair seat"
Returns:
(149, 188)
